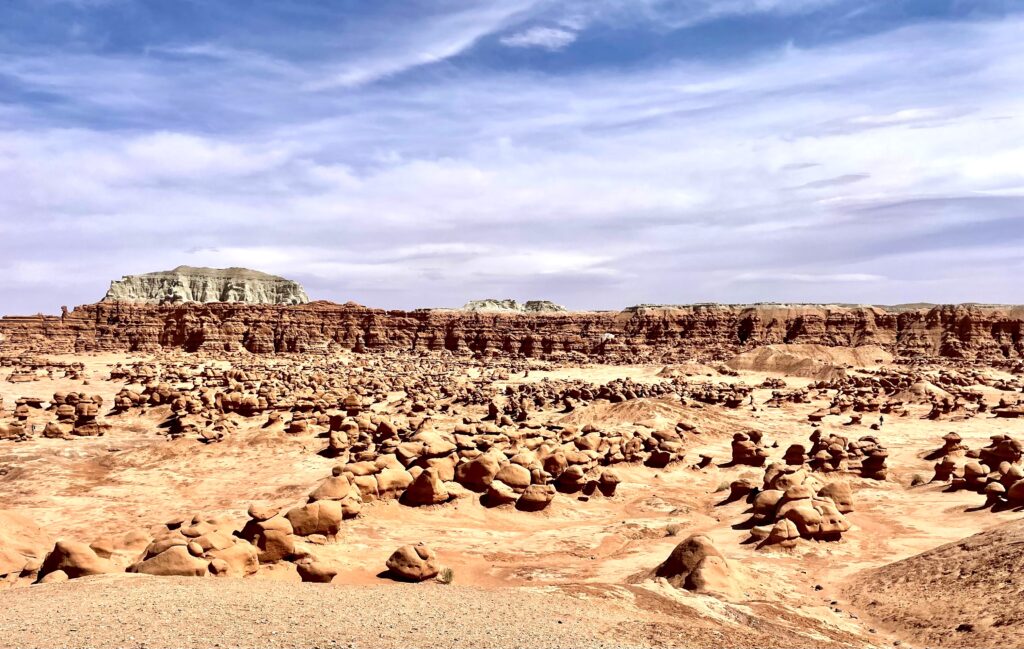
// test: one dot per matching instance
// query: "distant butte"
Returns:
(206, 285)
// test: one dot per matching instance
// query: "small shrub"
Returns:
(446, 576)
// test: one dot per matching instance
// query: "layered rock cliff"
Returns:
(642, 333)
(190, 284)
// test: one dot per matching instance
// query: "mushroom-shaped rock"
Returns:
(413, 563)
(573, 479)
(764, 505)
(742, 487)
(261, 513)
(608, 481)
(994, 492)
(272, 538)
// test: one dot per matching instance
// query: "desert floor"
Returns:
(571, 575)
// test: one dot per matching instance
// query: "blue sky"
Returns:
(599, 153)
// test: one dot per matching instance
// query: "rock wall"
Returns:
(188, 284)
(705, 332)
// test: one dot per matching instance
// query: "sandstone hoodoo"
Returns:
(191, 284)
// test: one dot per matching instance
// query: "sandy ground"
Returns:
(579, 558)
(155, 612)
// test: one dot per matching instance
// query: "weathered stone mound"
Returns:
(511, 306)
(697, 565)
(975, 583)
(190, 284)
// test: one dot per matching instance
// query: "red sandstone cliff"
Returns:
(706, 331)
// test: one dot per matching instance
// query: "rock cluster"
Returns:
(197, 547)
(793, 505)
(995, 470)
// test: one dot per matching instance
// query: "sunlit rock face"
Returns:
(189, 284)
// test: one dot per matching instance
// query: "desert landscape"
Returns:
(624, 324)
(187, 463)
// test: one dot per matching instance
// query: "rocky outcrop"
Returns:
(511, 306)
(23, 546)
(708, 332)
(189, 284)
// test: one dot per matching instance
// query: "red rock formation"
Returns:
(653, 333)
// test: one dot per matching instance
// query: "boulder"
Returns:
(535, 498)
(312, 570)
(413, 563)
(76, 560)
(841, 494)
(426, 489)
(477, 473)
(499, 493)
(175, 561)
(517, 477)
(320, 517)
(240, 559)
(392, 482)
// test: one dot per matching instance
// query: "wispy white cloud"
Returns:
(548, 38)
(422, 43)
